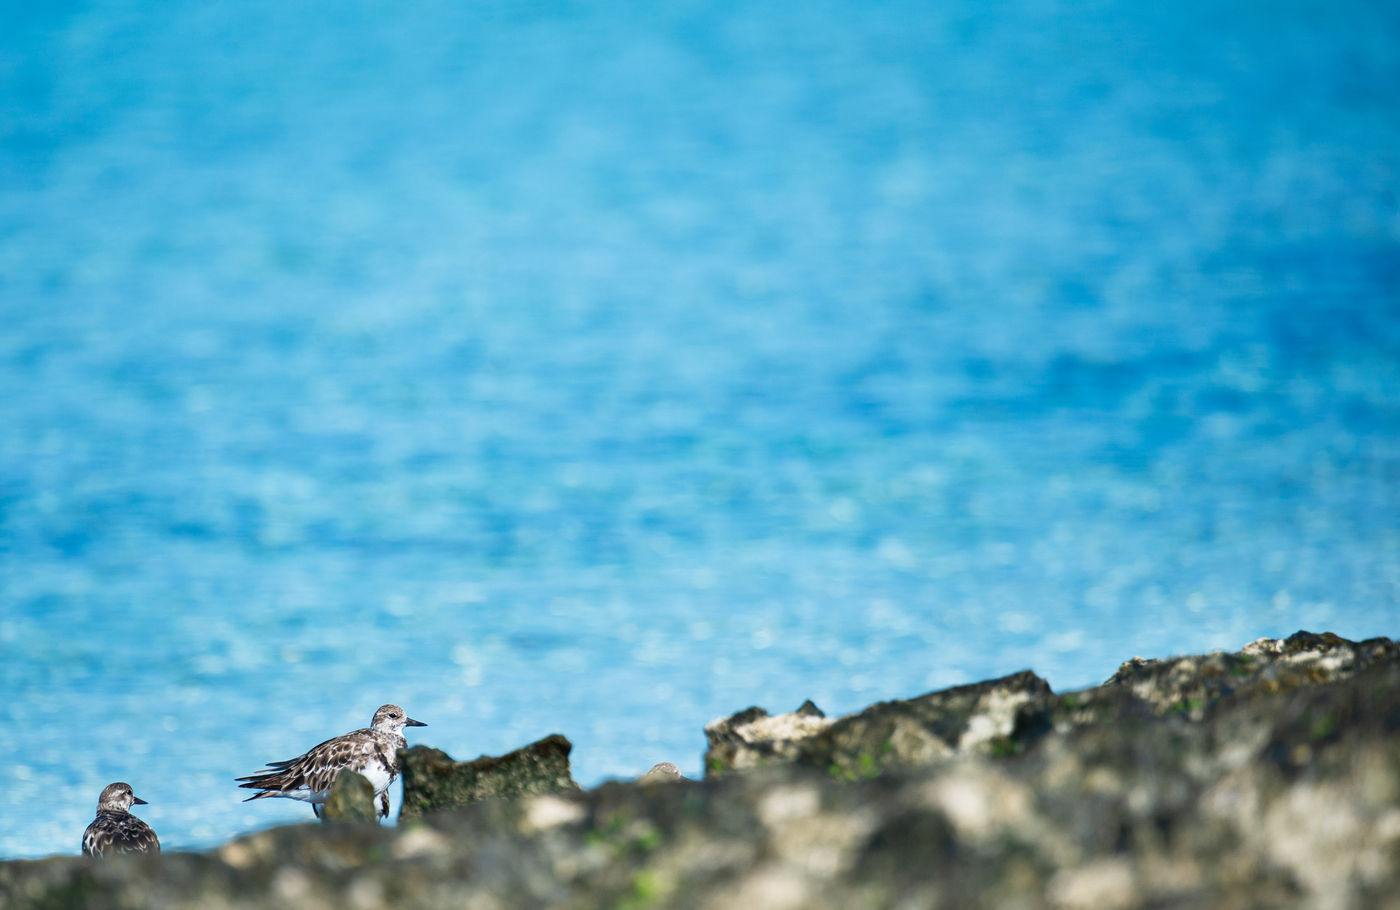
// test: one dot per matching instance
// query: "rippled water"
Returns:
(606, 368)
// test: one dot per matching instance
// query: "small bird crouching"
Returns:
(116, 830)
(372, 752)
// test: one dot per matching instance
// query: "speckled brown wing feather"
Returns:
(119, 832)
(316, 770)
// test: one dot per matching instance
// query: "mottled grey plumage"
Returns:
(662, 771)
(116, 830)
(373, 752)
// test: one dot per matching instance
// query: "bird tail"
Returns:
(270, 780)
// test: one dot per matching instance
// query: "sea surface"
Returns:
(606, 368)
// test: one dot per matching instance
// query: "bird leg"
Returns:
(384, 804)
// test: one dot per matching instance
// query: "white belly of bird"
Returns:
(377, 775)
(374, 772)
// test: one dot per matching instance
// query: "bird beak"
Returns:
(414, 723)
(138, 800)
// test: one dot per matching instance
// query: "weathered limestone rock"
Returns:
(1191, 684)
(1003, 717)
(1281, 793)
(351, 800)
(751, 738)
(998, 716)
(432, 781)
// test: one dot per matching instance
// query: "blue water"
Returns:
(606, 368)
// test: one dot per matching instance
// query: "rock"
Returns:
(998, 716)
(1282, 792)
(751, 738)
(432, 781)
(1192, 685)
(1003, 717)
(351, 800)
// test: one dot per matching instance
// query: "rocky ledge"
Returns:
(1268, 777)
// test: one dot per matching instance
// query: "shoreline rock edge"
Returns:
(1266, 777)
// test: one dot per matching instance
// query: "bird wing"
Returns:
(112, 833)
(316, 769)
(93, 840)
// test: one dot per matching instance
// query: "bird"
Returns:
(662, 771)
(116, 830)
(372, 751)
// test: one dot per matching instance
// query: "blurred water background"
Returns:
(605, 368)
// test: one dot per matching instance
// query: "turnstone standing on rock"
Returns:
(116, 830)
(373, 752)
